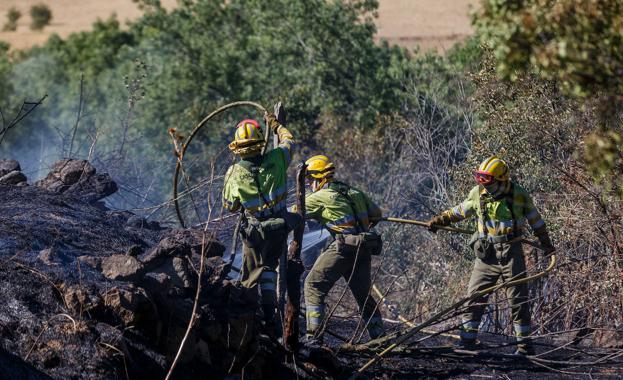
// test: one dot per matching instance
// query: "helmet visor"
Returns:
(483, 178)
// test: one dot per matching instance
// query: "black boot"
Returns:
(467, 344)
(525, 349)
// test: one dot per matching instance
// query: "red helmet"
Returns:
(249, 121)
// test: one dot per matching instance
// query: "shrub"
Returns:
(13, 15)
(41, 16)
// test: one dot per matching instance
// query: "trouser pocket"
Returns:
(482, 247)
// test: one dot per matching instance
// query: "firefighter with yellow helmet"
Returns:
(502, 208)
(257, 186)
(348, 214)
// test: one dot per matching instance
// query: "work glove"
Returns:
(271, 121)
(437, 220)
(546, 243)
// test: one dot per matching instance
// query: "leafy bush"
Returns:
(576, 44)
(41, 16)
(13, 15)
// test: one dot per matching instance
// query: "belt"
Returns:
(501, 238)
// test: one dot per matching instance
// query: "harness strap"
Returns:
(510, 198)
(254, 169)
(351, 203)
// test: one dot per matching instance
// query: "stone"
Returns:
(49, 256)
(78, 178)
(180, 243)
(7, 166)
(13, 178)
(121, 267)
(131, 305)
(79, 300)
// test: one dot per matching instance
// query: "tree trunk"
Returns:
(295, 270)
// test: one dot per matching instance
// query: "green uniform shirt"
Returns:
(499, 217)
(335, 212)
(241, 188)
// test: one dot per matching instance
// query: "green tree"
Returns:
(41, 16)
(13, 15)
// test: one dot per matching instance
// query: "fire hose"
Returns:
(182, 151)
(413, 329)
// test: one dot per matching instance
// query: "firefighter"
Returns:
(348, 214)
(257, 186)
(502, 208)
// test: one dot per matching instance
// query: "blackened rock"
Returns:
(80, 299)
(78, 178)
(135, 250)
(136, 221)
(131, 305)
(180, 243)
(7, 166)
(157, 284)
(14, 178)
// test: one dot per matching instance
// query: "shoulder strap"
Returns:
(510, 200)
(351, 203)
(483, 211)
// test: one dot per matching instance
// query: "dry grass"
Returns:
(432, 24)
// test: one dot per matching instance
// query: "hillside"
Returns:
(430, 24)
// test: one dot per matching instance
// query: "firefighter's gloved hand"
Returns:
(435, 222)
(271, 121)
(546, 243)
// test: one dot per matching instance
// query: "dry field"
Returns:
(431, 24)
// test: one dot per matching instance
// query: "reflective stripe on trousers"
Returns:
(521, 331)
(469, 330)
(314, 315)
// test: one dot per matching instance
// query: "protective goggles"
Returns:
(483, 178)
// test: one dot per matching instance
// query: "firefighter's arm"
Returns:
(375, 214)
(463, 210)
(286, 139)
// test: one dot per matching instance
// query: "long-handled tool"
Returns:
(425, 224)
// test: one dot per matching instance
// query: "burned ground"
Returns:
(93, 294)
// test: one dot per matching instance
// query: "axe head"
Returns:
(280, 113)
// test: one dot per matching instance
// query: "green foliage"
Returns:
(41, 16)
(603, 154)
(13, 15)
(318, 57)
(578, 43)
(5, 70)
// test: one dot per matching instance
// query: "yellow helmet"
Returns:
(493, 168)
(248, 139)
(319, 167)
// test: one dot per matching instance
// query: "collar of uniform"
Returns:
(508, 190)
